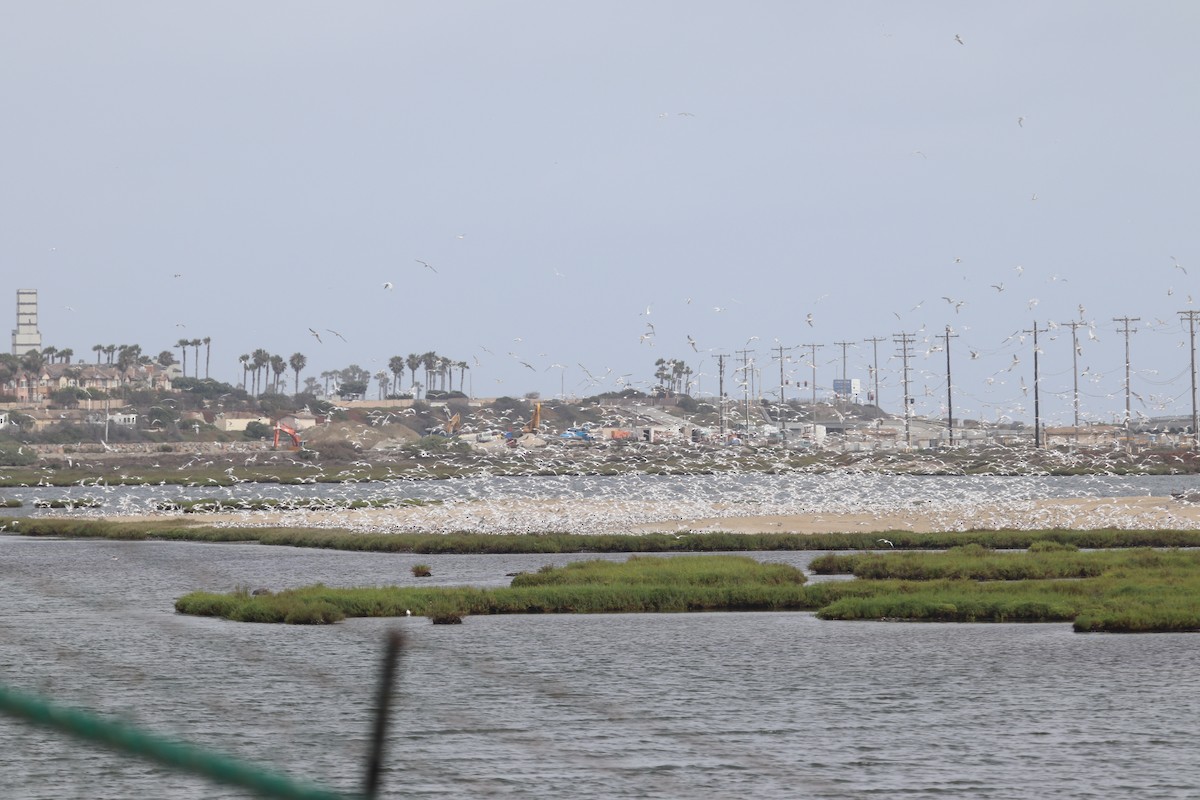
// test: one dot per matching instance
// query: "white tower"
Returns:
(26, 336)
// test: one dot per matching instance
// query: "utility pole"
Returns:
(813, 408)
(782, 400)
(721, 393)
(875, 340)
(746, 378)
(1075, 368)
(1037, 409)
(1128, 411)
(949, 397)
(1191, 318)
(905, 341)
(844, 345)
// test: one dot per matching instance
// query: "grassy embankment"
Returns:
(641, 584)
(1117, 591)
(194, 530)
(1127, 591)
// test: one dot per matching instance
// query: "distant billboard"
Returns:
(847, 387)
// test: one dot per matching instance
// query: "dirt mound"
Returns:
(362, 436)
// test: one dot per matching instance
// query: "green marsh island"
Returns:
(1121, 590)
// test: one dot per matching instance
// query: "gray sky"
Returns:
(566, 167)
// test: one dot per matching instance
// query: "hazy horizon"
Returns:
(560, 195)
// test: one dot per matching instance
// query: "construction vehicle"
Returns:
(535, 422)
(451, 427)
(297, 442)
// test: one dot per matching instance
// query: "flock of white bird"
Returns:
(715, 494)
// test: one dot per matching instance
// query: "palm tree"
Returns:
(429, 362)
(384, 379)
(396, 365)
(297, 362)
(109, 349)
(259, 359)
(65, 355)
(182, 344)
(278, 366)
(97, 349)
(244, 360)
(462, 373)
(130, 355)
(412, 361)
(207, 340)
(195, 343)
(328, 375)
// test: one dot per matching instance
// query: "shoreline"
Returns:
(603, 516)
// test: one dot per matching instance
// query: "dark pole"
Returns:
(382, 703)
(1037, 414)
(949, 395)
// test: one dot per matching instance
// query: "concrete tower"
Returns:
(26, 336)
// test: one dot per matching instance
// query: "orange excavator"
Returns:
(535, 422)
(297, 442)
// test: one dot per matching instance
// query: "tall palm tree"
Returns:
(462, 373)
(396, 365)
(97, 349)
(429, 363)
(328, 375)
(65, 355)
(109, 350)
(207, 340)
(278, 366)
(259, 359)
(244, 360)
(297, 362)
(384, 379)
(195, 343)
(412, 361)
(182, 344)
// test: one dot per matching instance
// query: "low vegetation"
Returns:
(480, 543)
(641, 584)
(1123, 591)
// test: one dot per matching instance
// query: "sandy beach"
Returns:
(606, 516)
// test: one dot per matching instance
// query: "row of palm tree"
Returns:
(184, 344)
(439, 371)
(674, 376)
(260, 365)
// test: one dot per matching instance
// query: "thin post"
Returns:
(1128, 392)
(1191, 318)
(949, 395)
(875, 340)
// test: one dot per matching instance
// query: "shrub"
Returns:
(421, 571)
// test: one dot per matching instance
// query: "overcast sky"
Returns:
(578, 172)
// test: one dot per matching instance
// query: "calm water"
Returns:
(705, 705)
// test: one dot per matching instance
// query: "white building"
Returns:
(26, 336)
